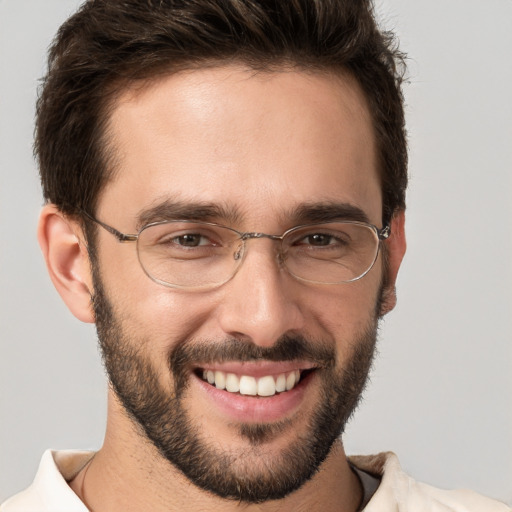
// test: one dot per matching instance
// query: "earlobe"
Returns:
(395, 250)
(67, 261)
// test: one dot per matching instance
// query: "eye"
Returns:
(338, 239)
(191, 240)
(318, 240)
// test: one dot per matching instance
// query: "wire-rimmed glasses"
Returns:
(199, 255)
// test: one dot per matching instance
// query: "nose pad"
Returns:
(239, 252)
(281, 258)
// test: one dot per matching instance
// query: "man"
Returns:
(225, 190)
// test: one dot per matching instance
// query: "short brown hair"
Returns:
(107, 44)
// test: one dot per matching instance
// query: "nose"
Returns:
(262, 301)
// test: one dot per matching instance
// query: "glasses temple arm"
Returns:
(121, 237)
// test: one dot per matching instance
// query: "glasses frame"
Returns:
(382, 234)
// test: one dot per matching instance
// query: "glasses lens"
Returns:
(189, 254)
(332, 253)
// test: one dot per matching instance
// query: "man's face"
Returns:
(262, 151)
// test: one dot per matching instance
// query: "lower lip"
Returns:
(254, 409)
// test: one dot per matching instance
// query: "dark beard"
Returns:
(240, 476)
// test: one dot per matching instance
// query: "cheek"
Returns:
(344, 314)
(348, 304)
(151, 315)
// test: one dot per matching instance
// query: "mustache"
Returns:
(286, 348)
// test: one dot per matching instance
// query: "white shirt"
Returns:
(397, 492)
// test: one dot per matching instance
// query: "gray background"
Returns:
(441, 391)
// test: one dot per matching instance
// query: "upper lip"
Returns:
(259, 368)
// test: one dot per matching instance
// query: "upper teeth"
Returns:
(248, 385)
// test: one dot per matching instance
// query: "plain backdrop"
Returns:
(441, 391)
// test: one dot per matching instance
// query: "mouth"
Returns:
(254, 391)
(264, 385)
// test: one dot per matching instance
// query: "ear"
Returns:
(395, 250)
(67, 260)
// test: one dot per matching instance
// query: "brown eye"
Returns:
(190, 240)
(319, 240)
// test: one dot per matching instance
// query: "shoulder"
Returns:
(49, 491)
(398, 492)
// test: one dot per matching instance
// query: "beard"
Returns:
(251, 474)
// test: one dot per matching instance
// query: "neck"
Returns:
(129, 474)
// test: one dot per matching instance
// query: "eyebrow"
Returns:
(169, 209)
(328, 211)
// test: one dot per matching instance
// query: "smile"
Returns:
(267, 385)
(255, 391)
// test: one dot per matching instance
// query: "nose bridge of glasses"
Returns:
(244, 237)
(248, 236)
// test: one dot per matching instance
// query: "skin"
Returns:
(260, 145)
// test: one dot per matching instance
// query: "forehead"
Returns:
(258, 144)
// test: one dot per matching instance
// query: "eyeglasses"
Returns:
(201, 255)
